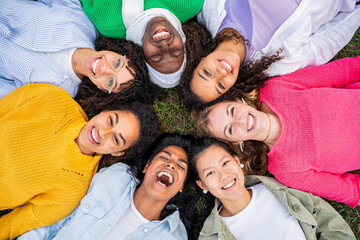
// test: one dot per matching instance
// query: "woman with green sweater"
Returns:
(50, 152)
(153, 24)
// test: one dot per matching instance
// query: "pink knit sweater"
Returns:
(319, 110)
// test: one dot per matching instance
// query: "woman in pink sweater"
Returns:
(304, 128)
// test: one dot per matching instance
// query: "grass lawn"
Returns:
(175, 118)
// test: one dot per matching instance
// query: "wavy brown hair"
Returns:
(251, 75)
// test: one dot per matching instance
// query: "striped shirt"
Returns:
(29, 30)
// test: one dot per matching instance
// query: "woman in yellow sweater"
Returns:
(50, 152)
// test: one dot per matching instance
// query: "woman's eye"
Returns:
(111, 81)
(210, 173)
(181, 167)
(221, 86)
(207, 73)
(111, 121)
(232, 111)
(117, 63)
(164, 158)
(116, 140)
(230, 130)
(226, 162)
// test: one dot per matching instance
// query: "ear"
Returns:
(145, 168)
(117, 154)
(201, 185)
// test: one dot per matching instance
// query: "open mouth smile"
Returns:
(94, 65)
(226, 65)
(161, 33)
(229, 185)
(164, 178)
(251, 122)
(93, 136)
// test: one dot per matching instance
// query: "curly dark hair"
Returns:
(140, 88)
(251, 75)
(149, 130)
(163, 141)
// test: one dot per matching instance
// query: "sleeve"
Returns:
(45, 233)
(336, 74)
(330, 224)
(43, 210)
(313, 39)
(340, 188)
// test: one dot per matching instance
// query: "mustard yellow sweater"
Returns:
(43, 174)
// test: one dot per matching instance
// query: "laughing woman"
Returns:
(298, 31)
(51, 152)
(53, 42)
(306, 129)
(131, 202)
(257, 207)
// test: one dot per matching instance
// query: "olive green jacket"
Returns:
(317, 218)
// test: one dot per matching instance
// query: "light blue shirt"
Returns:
(107, 199)
(30, 29)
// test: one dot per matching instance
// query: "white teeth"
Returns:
(94, 64)
(251, 122)
(226, 65)
(160, 35)
(171, 179)
(229, 185)
(94, 136)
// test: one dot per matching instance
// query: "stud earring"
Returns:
(241, 145)
(241, 165)
(204, 191)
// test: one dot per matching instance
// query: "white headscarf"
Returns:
(135, 30)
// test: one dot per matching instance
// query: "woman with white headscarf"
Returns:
(155, 25)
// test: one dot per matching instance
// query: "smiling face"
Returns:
(163, 46)
(166, 174)
(220, 174)
(110, 132)
(103, 68)
(215, 75)
(236, 121)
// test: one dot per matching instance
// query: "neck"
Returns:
(76, 61)
(232, 207)
(148, 207)
(274, 126)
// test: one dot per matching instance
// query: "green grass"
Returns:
(175, 118)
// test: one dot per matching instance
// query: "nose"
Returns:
(106, 68)
(223, 176)
(170, 165)
(105, 132)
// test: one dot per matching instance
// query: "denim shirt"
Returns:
(317, 218)
(29, 30)
(108, 197)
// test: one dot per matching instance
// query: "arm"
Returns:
(330, 224)
(312, 38)
(336, 74)
(341, 188)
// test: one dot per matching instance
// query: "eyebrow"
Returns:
(221, 159)
(179, 159)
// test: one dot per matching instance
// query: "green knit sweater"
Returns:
(107, 17)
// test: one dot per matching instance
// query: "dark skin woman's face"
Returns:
(162, 45)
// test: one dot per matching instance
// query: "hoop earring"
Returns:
(204, 191)
(243, 101)
(241, 145)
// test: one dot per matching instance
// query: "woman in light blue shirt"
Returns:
(131, 202)
(52, 41)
